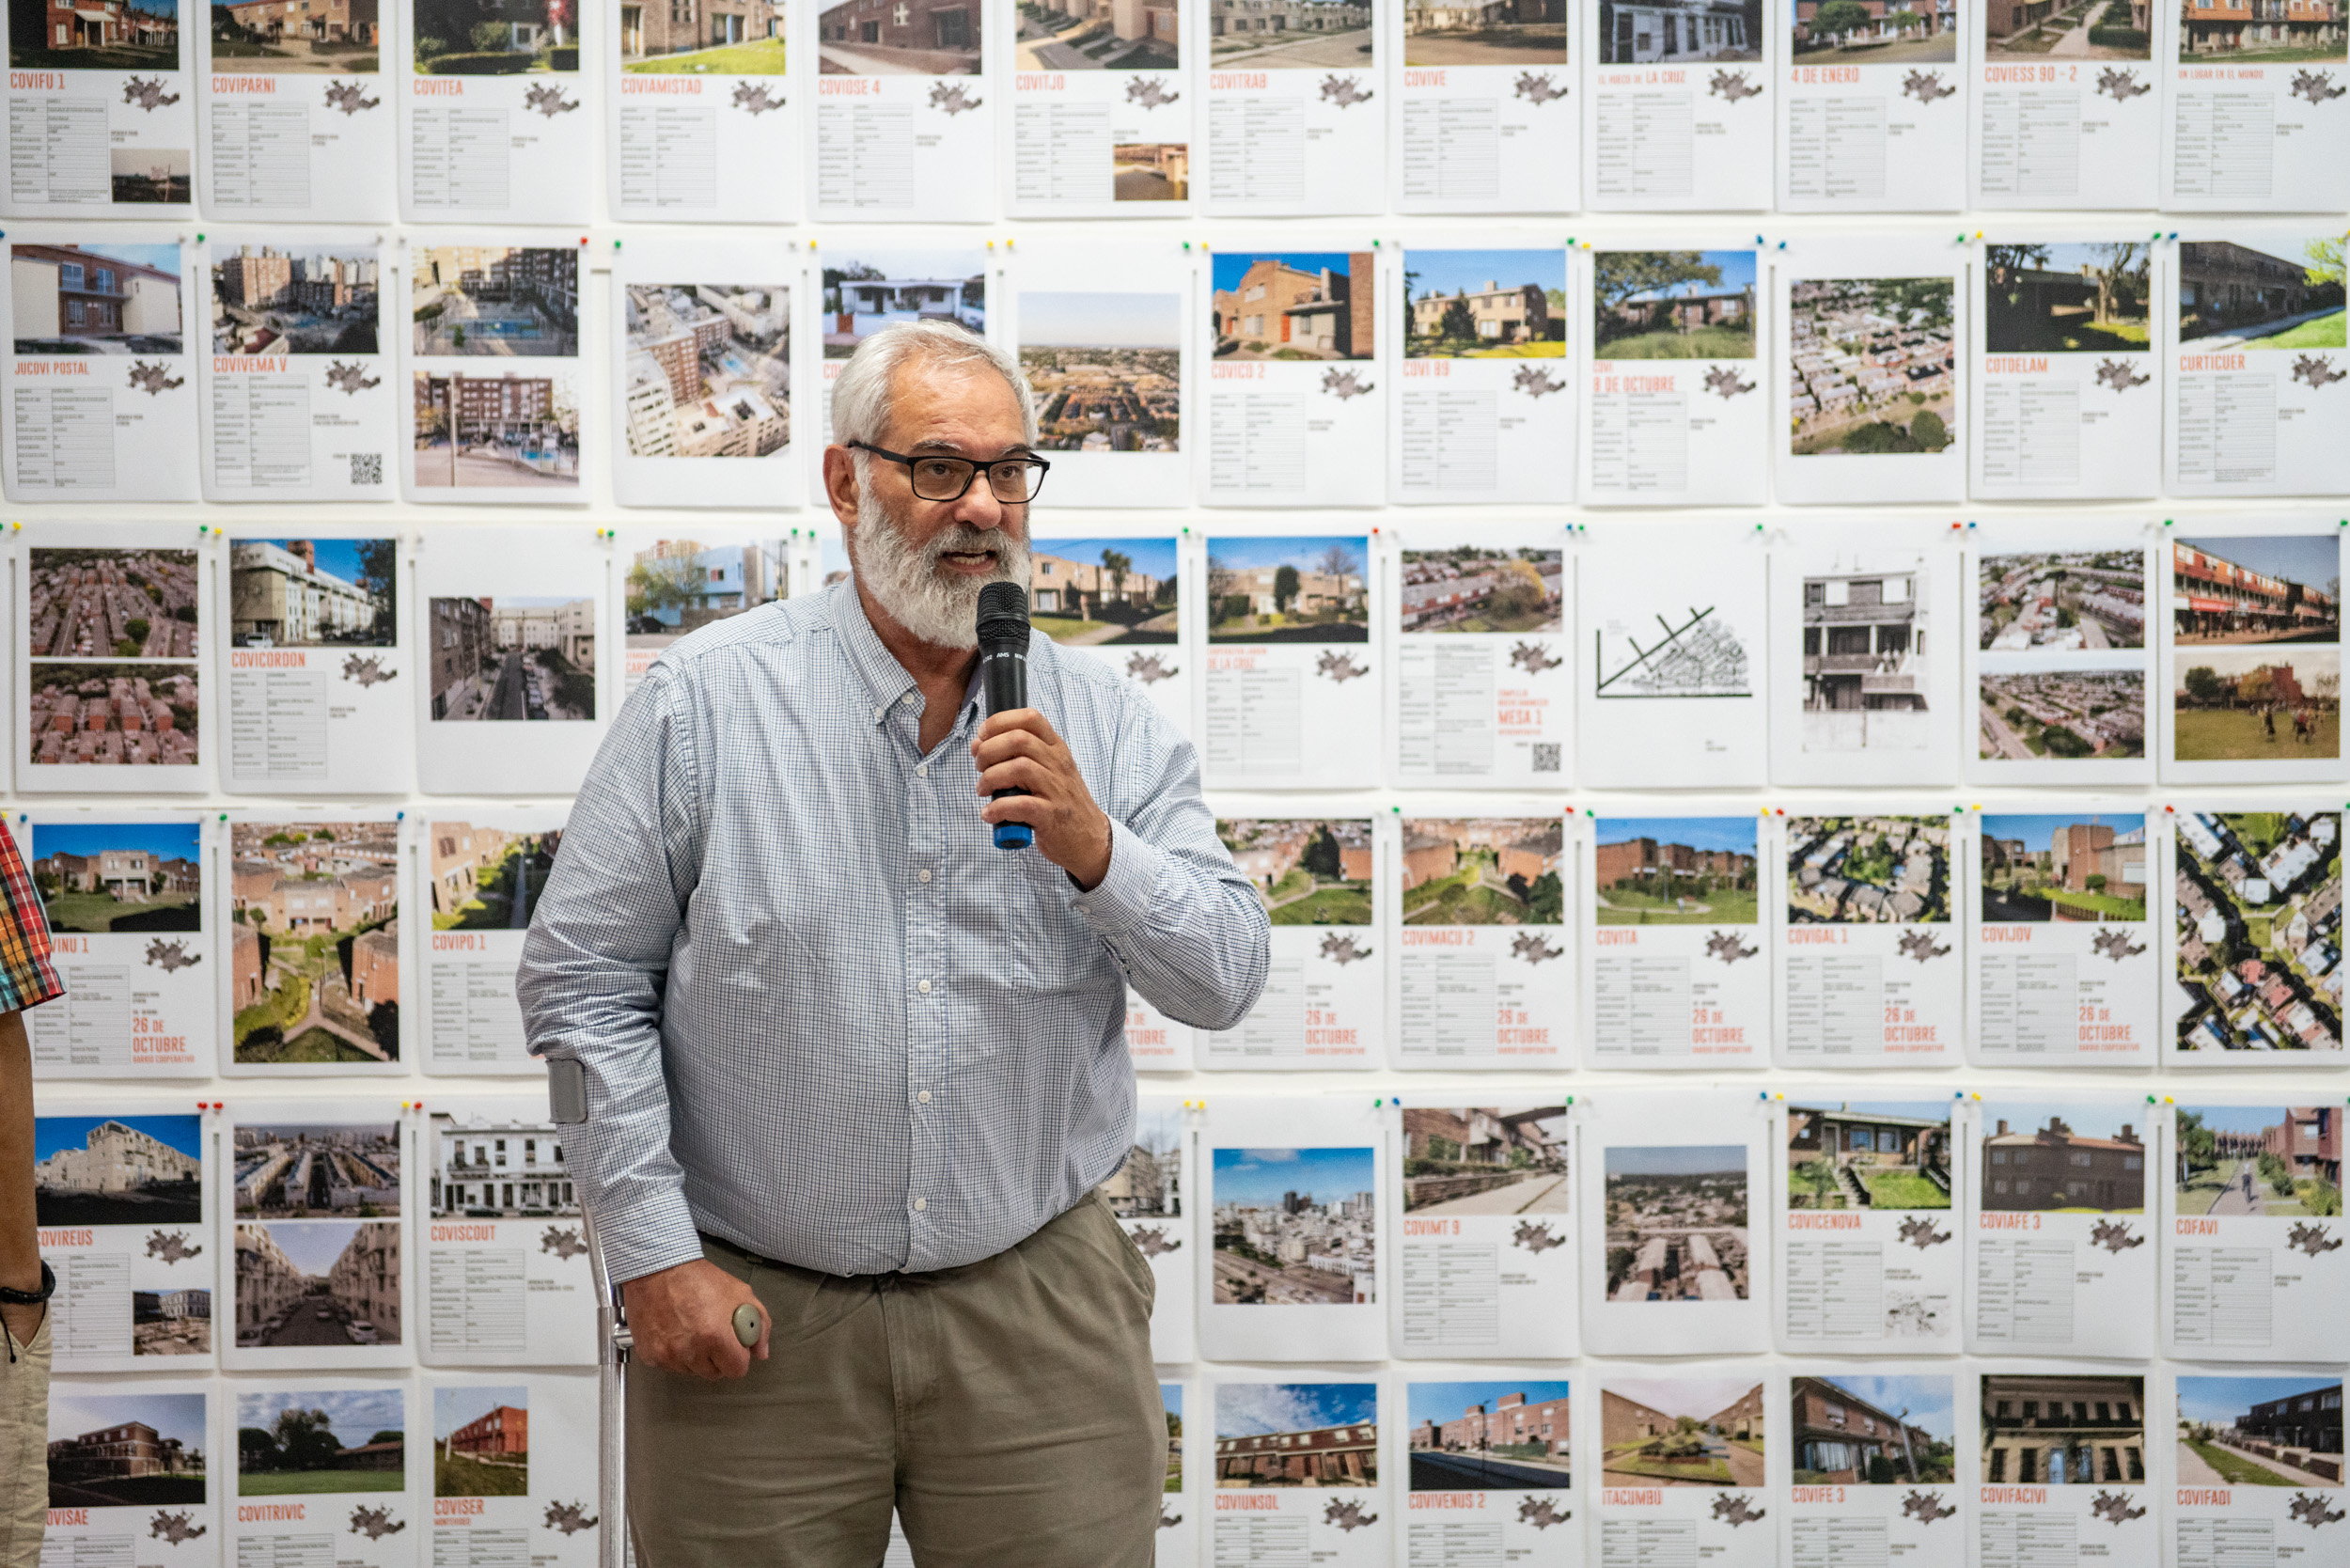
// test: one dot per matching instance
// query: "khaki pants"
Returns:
(24, 1448)
(1006, 1410)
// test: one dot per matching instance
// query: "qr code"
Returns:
(1546, 756)
(367, 468)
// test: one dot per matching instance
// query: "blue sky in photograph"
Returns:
(1171, 1396)
(1695, 1397)
(313, 1245)
(1250, 1409)
(454, 1406)
(1929, 1401)
(2037, 829)
(1450, 272)
(1676, 1159)
(1153, 556)
(1100, 321)
(340, 556)
(1446, 1402)
(1302, 551)
(169, 840)
(352, 1415)
(53, 1133)
(2221, 1400)
(1230, 270)
(2309, 560)
(2239, 1119)
(2088, 1118)
(1737, 273)
(1735, 834)
(161, 258)
(71, 1413)
(1921, 1109)
(1261, 1176)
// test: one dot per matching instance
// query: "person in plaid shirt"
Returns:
(26, 979)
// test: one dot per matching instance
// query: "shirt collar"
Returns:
(885, 679)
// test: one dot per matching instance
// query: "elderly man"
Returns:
(851, 1063)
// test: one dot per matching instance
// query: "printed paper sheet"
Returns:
(2252, 1478)
(701, 373)
(1150, 1196)
(2061, 944)
(1485, 1266)
(1292, 696)
(507, 432)
(293, 119)
(2254, 635)
(168, 1517)
(370, 1520)
(1113, 599)
(2062, 1469)
(1484, 116)
(861, 284)
(1688, 1467)
(1322, 1006)
(1675, 408)
(299, 397)
(671, 587)
(102, 116)
(2253, 1266)
(1103, 118)
(1482, 973)
(1297, 1472)
(489, 121)
(1294, 411)
(1674, 111)
(2067, 388)
(1673, 696)
(125, 1193)
(2256, 937)
(481, 872)
(514, 1464)
(1292, 1186)
(2065, 109)
(1873, 1465)
(505, 1280)
(312, 909)
(1675, 976)
(1483, 663)
(1869, 1252)
(1187, 1491)
(2057, 660)
(2255, 388)
(1109, 370)
(1294, 130)
(1869, 971)
(1472, 422)
(905, 112)
(702, 119)
(1872, 115)
(1487, 1455)
(2254, 110)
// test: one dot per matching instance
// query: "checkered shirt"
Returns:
(821, 1015)
(28, 978)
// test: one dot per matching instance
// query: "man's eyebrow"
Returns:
(940, 444)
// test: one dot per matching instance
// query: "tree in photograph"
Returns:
(304, 1440)
(1284, 587)
(1116, 564)
(668, 581)
(2323, 265)
(2122, 278)
(1839, 19)
(379, 562)
(2199, 1146)
(1459, 320)
(1620, 277)
(2204, 688)
(1923, 302)
(2005, 266)
(1322, 855)
(1929, 431)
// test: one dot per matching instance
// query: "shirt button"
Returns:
(921, 1203)
(907, 699)
(924, 1096)
(877, 713)
(922, 770)
(924, 873)
(924, 986)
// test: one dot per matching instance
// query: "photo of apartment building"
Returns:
(733, 38)
(1868, 870)
(1523, 33)
(301, 1172)
(2256, 589)
(2042, 1430)
(2259, 30)
(2234, 296)
(292, 298)
(317, 1282)
(1289, 34)
(1100, 592)
(315, 951)
(1295, 1227)
(481, 1441)
(1864, 1431)
(1490, 1436)
(486, 878)
(1677, 1217)
(143, 1448)
(1486, 1160)
(2258, 904)
(676, 586)
(895, 37)
(865, 291)
(95, 35)
(494, 1169)
(1877, 32)
(1149, 1184)
(274, 38)
(2034, 1159)
(1306, 871)
(1310, 588)
(1484, 871)
(1106, 370)
(1871, 362)
(1297, 305)
(1674, 870)
(2064, 866)
(1296, 1435)
(1100, 34)
(503, 430)
(2270, 1160)
(2260, 1431)
(1864, 658)
(708, 370)
(1678, 32)
(1485, 304)
(134, 876)
(527, 657)
(1681, 1432)
(117, 1171)
(313, 594)
(1878, 1155)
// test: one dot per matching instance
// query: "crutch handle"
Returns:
(746, 1325)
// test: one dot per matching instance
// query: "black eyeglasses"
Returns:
(1013, 481)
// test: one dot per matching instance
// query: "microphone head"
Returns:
(1003, 616)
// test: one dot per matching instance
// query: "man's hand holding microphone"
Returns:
(1025, 766)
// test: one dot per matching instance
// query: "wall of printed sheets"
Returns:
(1707, 563)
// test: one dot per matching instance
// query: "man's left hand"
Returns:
(1019, 751)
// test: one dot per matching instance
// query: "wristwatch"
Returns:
(31, 1298)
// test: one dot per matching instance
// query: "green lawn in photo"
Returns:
(2229, 734)
(116, 56)
(1061, 627)
(311, 1483)
(1724, 906)
(1813, 1186)
(2258, 831)
(1462, 900)
(1337, 904)
(460, 1475)
(1902, 1189)
(2104, 905)
(2323, 332)
(2236, 1468)
(2203, 1186)
(1705, 342)
(2075, 334)
(1701, 1472)
(2261, 57)
(105, 912)
(1453, 348)
(759, 57)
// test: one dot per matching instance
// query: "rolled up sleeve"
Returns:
(596, 962)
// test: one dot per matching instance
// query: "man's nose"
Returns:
(980, 508)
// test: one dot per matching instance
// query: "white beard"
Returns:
(907, 579)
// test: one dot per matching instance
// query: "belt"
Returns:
(749, 1257)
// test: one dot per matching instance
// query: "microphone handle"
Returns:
(1004, 676)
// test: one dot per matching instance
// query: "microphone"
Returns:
(1004, 676)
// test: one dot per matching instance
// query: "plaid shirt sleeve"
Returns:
(28, 978)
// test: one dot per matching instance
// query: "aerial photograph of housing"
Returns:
(1871, 361)
(708, 368)
(101, 625)
(1103, 593)
(1294, 1227)
(1490, 1436)
(1308, 588)
(1853, 1430)
(2027, 714)
(1294, 305)
(864, 291)
(1672, 304)
(1674, 871)
(1470, 589)
(1485, 1160)
(2257, 1160)
(2232, 296)
(1296, 1435)
(1290, 35)
(1485, 304)
(1678, 32)
(1869, 1154)
(141, 1449)
(2258, 943)
(135, 876)
(2262, 1432)
(1484, 33)
(311, 1441)
(1868, 870)
(315, 968)
(2067, 299)
(1484, 871)
(2062, 1429)
(1106, 370)
(2074, 1159)
(2063, 865)
(2066, 599)
(1081, 35)
(1677, 1222)
(1681, 1432)
(1306, 871)
(1875, 32)
(305, 1171)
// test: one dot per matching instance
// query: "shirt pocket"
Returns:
(1057, 952)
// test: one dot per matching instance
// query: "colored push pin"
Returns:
(746, 1325)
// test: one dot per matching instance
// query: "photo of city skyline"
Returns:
(141, 1449)
(1106, 370)
(126, 876)
(1677, 1221)
(320, 1441)
(1294, 1227)
(117, 1171)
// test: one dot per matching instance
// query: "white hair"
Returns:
(860, 398)
(899, 573)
